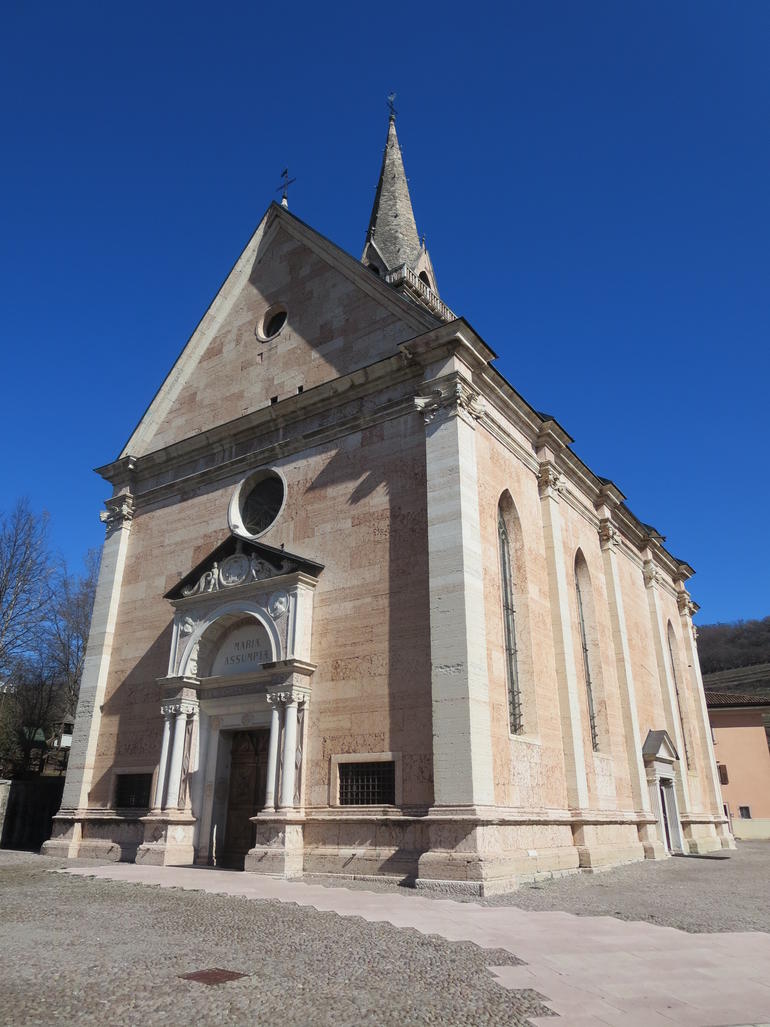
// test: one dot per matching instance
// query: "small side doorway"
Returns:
(246, 794)
(664, 812)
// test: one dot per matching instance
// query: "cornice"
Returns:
(234, 446)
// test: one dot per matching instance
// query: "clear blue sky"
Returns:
(592, 179)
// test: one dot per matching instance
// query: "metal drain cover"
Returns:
(214, 976)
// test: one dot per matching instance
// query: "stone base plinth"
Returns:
(279, 846)
(704, 836)
(465, 851)
(651, 843)
(168, 840)
(94, 834)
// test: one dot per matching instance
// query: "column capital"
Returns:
(609, 536)
(119, 512)
(179, 707)
(652, 575)
(550, 481)
(288, 696)
(454, 397)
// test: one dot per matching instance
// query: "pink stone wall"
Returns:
(529, 769)
(333, 328)
(357, 506)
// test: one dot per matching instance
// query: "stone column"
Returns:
(272, 753)
(714, 789)
(181, 710)
(160, 786)
(551, 486)
(668, 689)
(117, 519)
(610, 540)
(288, 776)
(462, 742)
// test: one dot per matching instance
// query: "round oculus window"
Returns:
(272, 323)
(261, 503)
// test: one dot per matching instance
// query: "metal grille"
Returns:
(132, 791)
(367, 784)
(509, 625)
(587, 667)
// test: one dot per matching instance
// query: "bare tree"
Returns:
(45, 613)
(25, 585)
(68, 626)
(31, 709)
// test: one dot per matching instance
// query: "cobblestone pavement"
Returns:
(82, 951)
(592, 971)
(385, 959)
(689, 893)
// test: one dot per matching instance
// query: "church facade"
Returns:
(363, 611)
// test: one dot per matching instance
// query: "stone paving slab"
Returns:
(593, 971)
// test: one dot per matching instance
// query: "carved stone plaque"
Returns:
(235, 569)
(244, 648)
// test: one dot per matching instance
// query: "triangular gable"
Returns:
(382, 306)
(658, 746)
(237, 562)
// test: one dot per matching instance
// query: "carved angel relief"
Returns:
(238, 569)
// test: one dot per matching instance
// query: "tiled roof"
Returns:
(714, 699)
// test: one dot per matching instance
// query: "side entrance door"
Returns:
(246, 795)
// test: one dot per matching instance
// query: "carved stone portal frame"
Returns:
(274, 694)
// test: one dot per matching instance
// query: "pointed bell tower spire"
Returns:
(392, 240)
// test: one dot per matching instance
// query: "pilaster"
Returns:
(117, 519)
(714, 790)
(462, 744)
(652, 578)
(551, 485)
(610, 541)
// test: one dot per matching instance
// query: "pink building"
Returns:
(743, 760)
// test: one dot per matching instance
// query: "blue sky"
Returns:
(592, 179)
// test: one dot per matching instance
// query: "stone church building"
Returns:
(363, 611)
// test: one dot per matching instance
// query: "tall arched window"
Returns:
(671, 644)
(586, 658)
(509, 626)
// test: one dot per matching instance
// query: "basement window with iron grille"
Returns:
(132, 791)
(368, 784)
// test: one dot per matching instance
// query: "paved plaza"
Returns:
(109, 944)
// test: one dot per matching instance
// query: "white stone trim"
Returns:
(96, 667)
(462, 737)
(253, 478)
(623, 666)
(245, 607)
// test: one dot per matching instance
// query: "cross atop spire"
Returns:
(392, 240)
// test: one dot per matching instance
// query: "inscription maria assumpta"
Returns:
(244, 649)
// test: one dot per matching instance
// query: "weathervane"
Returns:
(391, 105)
(284, 187)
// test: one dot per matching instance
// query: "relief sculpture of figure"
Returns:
(211, 579)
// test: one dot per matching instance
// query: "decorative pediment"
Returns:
(238, 562)
(658, 746)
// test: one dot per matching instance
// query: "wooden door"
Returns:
(246, 795)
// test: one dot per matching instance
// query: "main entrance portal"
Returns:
(246, 795)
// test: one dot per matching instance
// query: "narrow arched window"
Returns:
(509, 627)
(670, 635)
(586, 664)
